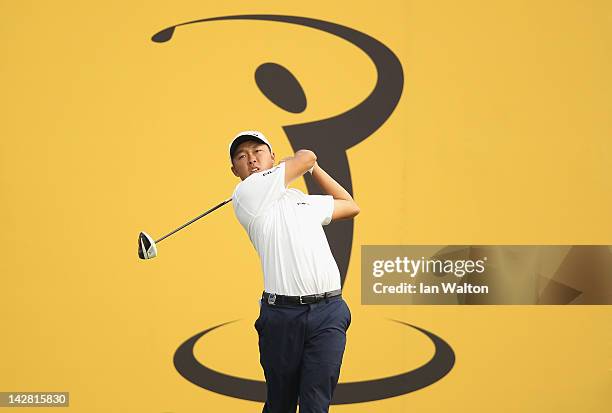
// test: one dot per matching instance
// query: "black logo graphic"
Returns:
(329, 139)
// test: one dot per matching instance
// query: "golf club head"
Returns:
(146, 247)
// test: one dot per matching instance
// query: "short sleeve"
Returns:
(323, 206)
(258, 191)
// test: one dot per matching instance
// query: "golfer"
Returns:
(303, 319)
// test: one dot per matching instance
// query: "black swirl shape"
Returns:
(329, 138)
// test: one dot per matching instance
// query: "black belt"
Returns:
(274, 299)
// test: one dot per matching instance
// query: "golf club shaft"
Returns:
(194, 220)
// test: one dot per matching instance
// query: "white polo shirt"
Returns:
(285, 227)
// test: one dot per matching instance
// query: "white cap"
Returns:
(247, 135)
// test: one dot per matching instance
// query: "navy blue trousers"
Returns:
(301, 349)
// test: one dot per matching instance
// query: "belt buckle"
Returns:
(271, 298)
(301, 302)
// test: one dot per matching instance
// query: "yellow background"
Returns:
(502, 136)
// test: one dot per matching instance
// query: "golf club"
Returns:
(147, 247)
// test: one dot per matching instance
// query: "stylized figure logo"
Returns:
(329, 139)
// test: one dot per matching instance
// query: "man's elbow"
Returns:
(344, 209)
(307, 156)
(355, 210)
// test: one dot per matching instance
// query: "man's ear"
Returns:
(234, 170)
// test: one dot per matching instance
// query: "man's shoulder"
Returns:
(259, 190)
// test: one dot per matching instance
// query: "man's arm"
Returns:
(345, 206)
(298, 164)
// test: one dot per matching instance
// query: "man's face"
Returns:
(251, 157)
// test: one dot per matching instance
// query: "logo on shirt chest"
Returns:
(302, 203)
